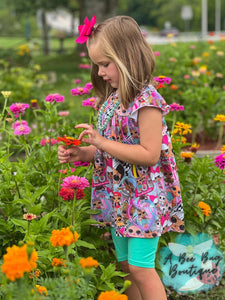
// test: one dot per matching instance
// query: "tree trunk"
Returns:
(45, 39)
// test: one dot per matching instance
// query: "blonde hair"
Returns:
(122, 42)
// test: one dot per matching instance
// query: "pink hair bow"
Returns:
(85, 30)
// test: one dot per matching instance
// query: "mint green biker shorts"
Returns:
(139, 252)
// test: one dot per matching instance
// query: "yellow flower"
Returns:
(17, 261)
(220, 118)
(194, 147)
(88, 262)
(213, 47)
(219, 75)
(205, 54)
(57, 262)
(41, 289)
(206, 209)
(196, 60)
(220, 53)
(203, 69)
(112, 295)
(6, 94)
(195, 73)
(63, 237)
(186, 154)
(182, 128)
(223, 149)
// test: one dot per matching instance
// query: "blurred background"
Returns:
(51, 24)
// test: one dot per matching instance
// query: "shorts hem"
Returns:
(141, 264)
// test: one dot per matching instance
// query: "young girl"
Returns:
(135, 183)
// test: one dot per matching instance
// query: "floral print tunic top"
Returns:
(139, 201)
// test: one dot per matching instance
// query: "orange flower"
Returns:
(112, 295)
(68, 140)
(220, 118)
(173, 87)
(206, 209)
(194, 147)
(41, 289)
(57, 262)
(63, 237)
(88, 262)
(223, 149)
(17, 262)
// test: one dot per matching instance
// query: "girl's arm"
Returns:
(146, 153)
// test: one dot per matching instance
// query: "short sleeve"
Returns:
(149, 97)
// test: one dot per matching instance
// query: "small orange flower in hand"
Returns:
(69, 140)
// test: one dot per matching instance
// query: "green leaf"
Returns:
(81, 243)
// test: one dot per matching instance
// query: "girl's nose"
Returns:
(100, 72)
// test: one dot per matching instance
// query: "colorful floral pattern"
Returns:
(138, 201)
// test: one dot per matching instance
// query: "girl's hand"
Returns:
(68, 155)
(94, 138)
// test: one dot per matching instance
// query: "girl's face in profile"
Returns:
(106, 68)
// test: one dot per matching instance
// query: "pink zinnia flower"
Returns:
(84, 66)
(22, 129)
(192, 47)
(186, 76)
(89, 102)
(54, 97)
(18, 123)
(63, 113)
(43, 142)
(75, 182)
(80, 163)
(220, 161)
(157, 53)
(83, 54)
(176, 106)
(17, 108)
(89, 85)
(77, 81)
(79, 91)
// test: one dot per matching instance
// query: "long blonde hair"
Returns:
(122, 42)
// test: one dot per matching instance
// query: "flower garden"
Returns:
(50, 247)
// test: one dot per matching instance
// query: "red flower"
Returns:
(80, 194)
(68, 140)
(66, 194)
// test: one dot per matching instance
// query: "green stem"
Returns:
(173, 122)
(219, 142)
(196, 188)
(73, 206)
(3, 110)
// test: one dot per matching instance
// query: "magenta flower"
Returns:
(83, 54)
(84, 66)
(157, 53)
(85, 30)
(77, 81)
(176, 106)
(220, 161)
(80, 163)
(79, 91)
(43, 142)
(18, 123)
(63, 113)
(89, 102)
(89, 85)
(54, 97)
(75, 182)
(22, 129)
(17, 108)
(162, 79)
